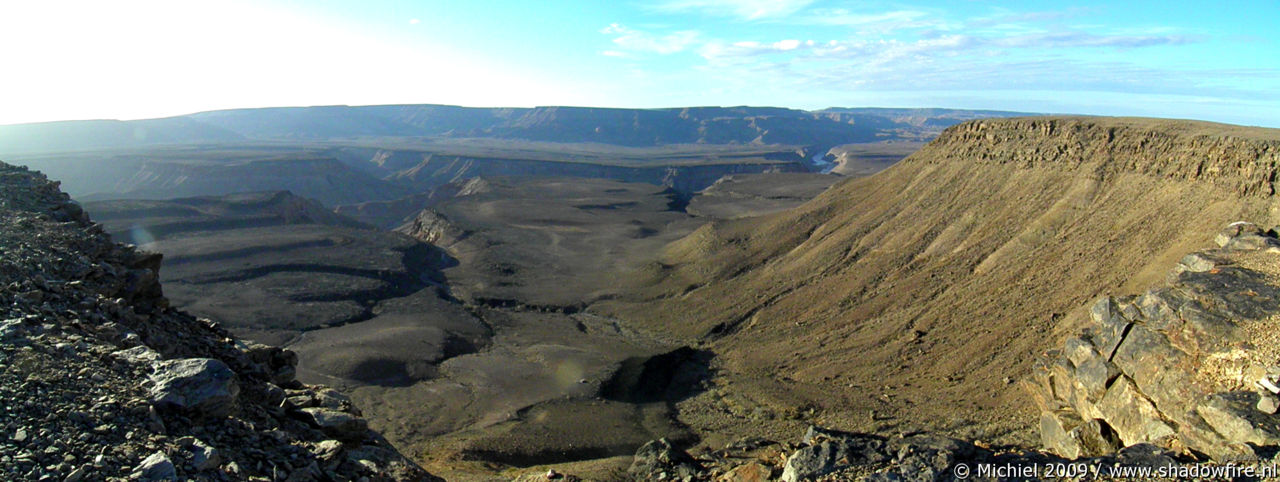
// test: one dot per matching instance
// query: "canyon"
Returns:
(513, 291)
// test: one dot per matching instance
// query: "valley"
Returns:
(506, 305)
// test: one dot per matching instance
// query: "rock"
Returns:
(204, 457)
(335, 423)
(281, 364)
(1063, 433)
(156, 466)
(1267, 403)
(1236, 229)
(327, 450)
(924, 458)
(1109, 326)
(1134, 417)
(660, 457)
(330, 398)
(813, 461)
(234, 469)
(1146, 455)
(1199, 262)
(204, 387)
(748, 472)
(930, 442)
(273, 395)
(138, 355)
(76, 475)
(310, 472)
(1252, 243)
(20, 435)
(1235, 416)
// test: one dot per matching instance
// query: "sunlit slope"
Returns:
(925, 291)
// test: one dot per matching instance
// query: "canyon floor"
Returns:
(476, 353)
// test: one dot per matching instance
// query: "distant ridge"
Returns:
(628, 127)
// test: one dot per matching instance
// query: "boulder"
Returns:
(813, 461)
(336, 423)
(1063, 432)
(1234, 415)
(658, 457)
(156, 466)
(202, 387)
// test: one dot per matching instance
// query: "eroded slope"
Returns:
(920, 294)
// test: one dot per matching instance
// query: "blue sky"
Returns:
(78, 59)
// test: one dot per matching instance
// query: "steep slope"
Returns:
(102, 380)
(921, 293)
(744, 195)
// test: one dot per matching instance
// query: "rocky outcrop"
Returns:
(204, 387)
(392, 214)
(1189, 366)
(432, 227)
(103, 380)
(1241, 159)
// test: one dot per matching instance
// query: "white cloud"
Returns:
(629, 39)
(882, 21)
(743, 9)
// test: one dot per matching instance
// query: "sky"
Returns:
(123, 59)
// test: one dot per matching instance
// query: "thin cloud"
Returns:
(879, 22)
(741, 9)
(1083, 39)
(628, 39)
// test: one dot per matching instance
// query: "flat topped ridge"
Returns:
(1239, 159)
(1172, 127)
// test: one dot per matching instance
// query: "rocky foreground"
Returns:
(101, 380)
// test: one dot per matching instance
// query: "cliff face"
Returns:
(923, 292)
(1239, 159)
(322, 179)
(104, 379)
(437, 170)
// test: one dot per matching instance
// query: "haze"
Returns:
(140, 59)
